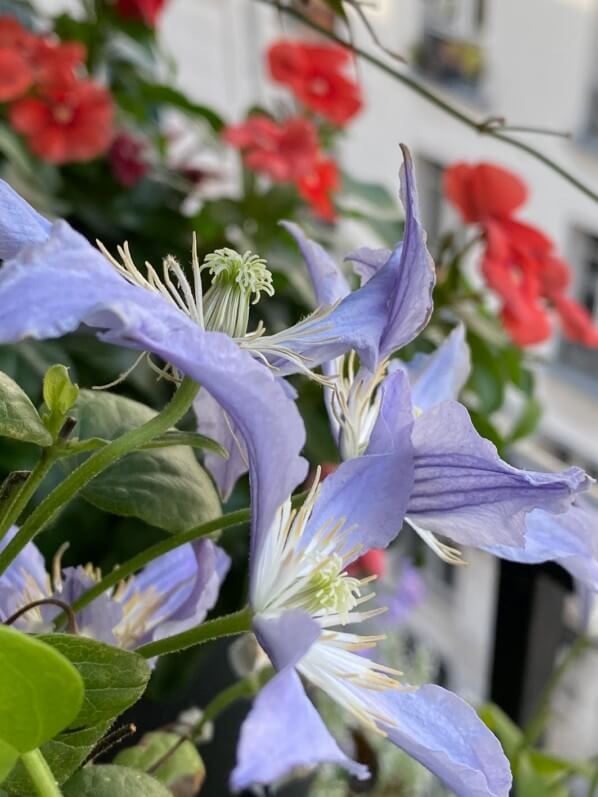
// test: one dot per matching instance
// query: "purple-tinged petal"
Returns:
(395, 417)
(404, 598)
(465, 491)
(442, 732)
(186, 607)
(100, 618)
(20, 224)
(411, 303)
(51, 288)
(385, 314)
(25, 579)
(282, 732)
(286, 639)
(368, 262)
(569, 538)
(440, 376)
(329, 282)
(213, 422)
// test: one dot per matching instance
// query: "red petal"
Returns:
(576, 321)
(482, 191)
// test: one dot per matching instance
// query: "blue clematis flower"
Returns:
(172, 594)
(462, 489)
(304, 600)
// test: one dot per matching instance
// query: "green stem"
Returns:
(593, 784)
(25, 493)
(483, 127)
(40, 774)
(164, 546)
(538, 720)
(95, 464)
(228, 625)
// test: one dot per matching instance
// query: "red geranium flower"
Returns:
(16, 74)
(318, 186)
(126, 159)
(56, 63)
(372, 563)
(285, 152)
(146, 11)
(66, 123)
(519, 262)
(314, 73)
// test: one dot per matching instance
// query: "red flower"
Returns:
(56, 63)
(146, 11)
(16, 44)
(318, 186)
(66, 123)
(519, 261)
(125, 157)
(372, 563)
(314, 73)
(284, 152)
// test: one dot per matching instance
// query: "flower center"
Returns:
(332, 589)
(62, 114)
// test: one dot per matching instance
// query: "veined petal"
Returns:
(411, 303)
(465, 491)
(440, 376)
(20, 224)
(182, 586)
(64, 282)
(367, 262)
(329, 282)
(570, 538)
(213, 422)
(283, 732)
(442, 732)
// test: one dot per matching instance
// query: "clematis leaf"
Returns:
(113, 679)
(165, 487)
(8, 758)
(41, 692)
(112, 781)
(183, 771)
(18, 417)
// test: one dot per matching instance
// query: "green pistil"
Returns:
(236, 281)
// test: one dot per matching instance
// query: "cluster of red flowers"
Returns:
(289, 151)
(63, 117)
(146, 11)
(314, 73)
(519, 263)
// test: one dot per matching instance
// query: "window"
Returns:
(450, 50)
(581, 358)
(592, 121)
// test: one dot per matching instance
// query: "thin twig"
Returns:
(357, 7)
(432, 97)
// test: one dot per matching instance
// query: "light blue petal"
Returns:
(329, 282)
(443, 733)
(569, 538)
(214, 423)
(410, 305)
(440, 376)
(20, 224)
(26, 574)
(286, 639)
(371, 492)
(368, 262)
(100, 618)
(51, 288)
(465, 491)
(282, 732)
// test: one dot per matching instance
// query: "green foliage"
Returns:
(182, 770)
(113, 781)
(59, 396)
(165, 487)
(8, 758)
(18, 417)
(113, 680)
(41, 692)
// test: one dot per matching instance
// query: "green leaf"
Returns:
(112, 781)
(40, 690)
(8, 758)
(337, 7)
(532, 783)
(114, 680)
(183, 771)
(165, 487)
(167, 95)
(18, 417)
